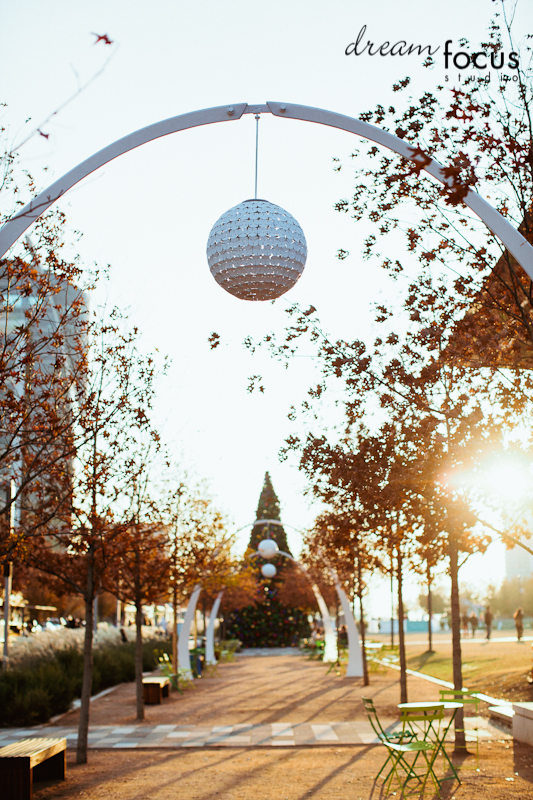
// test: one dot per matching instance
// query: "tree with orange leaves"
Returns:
(113, 401)
(450, 370)
(140, 575)
(43, 328)
(200, 548)
(139, 562)
(482, 131)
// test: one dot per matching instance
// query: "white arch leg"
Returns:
(184, 658)
(210, 632)
(330, 641)
(355, 655)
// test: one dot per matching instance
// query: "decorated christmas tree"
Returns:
(267, 622)
(268, 509)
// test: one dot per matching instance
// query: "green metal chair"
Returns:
(459, 696)
(464, 697)
(427, 726)
(399, 764)
(398, 737)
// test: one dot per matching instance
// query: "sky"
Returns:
(149, 213)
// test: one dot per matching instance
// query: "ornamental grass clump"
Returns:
(42, 685)
(48, 642)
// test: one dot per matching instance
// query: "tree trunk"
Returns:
(366, 680)
(430, 612)
(8, 583)
(83, 725)
(460, 740)
(175, 630)
(138, 643)
(392, 597)
(403, 662)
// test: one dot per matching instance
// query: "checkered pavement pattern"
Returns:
(275, 734)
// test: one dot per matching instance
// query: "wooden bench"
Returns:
(29, 760)
(154, 689)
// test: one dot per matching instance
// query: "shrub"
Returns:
(41, 686)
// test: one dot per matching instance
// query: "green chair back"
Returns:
(423, 721)
(373, 718)
(463, 696)
(459, 696)
(416, 714)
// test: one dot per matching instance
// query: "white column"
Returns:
(210, 632)
(355, 655)
(184, 659)
(330, 640)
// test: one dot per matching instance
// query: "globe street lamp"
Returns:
(268, 571)
(256, 251)
(268, 548)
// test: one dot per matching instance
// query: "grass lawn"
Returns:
(497, 668)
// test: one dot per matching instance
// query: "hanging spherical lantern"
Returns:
(256, 250)
(268, 570)
(267, 548)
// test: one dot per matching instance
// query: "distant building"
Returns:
(518, 562)
(42, 316)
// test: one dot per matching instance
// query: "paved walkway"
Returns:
(280, 734)
(260, 700)
(264, 727)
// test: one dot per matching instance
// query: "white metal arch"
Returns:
(15, 227)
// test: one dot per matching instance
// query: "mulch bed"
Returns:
(341, 773)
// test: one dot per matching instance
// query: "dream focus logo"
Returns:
(454, 58)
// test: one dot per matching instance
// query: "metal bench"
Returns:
(154, 689)
(29, 760)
